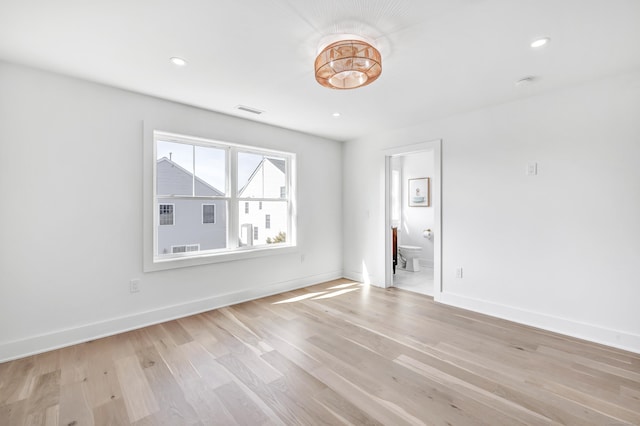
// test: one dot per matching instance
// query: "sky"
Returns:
(210, 162)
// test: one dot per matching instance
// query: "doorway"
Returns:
(413, 218)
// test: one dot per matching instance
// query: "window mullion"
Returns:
(233, 205)
(193, 167)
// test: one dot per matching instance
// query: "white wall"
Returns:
(557, 250)
(416, 219)
(71, 219)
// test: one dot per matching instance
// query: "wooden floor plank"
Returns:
(240, 405)
(111, 413)
(339, 352)
(136, 392)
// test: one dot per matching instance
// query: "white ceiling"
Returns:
(439, 56)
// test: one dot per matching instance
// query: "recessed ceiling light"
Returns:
(540, 42)
(336, 114)
(178, 61)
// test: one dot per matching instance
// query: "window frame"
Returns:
(154, 262)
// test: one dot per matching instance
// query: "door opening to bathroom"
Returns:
(412, 225)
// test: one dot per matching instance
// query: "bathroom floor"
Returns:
(418, 282)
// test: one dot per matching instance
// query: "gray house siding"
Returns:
(188, 227)
(171, 179)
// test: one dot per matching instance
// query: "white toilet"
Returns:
(411, 255)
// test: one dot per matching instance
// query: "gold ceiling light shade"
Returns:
(348, 63)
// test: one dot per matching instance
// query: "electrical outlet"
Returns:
(134, 286)
(459, 272)
(532, 169)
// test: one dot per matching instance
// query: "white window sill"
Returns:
(209, 258)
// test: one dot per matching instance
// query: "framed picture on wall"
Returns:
(420, 192)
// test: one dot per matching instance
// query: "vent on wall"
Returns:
(249, 109)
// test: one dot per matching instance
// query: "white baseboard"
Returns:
(58, 339)
(593, 333)
(363, 278)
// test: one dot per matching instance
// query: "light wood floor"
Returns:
(335, 353)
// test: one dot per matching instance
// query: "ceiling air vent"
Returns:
(249, 109)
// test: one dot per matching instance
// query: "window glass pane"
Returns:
(174, 168)
(261, 176)
(208, 213)
(272, 222)
(190, 232)
(210, 164)
(165, 214)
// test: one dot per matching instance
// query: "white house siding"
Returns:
(257, 217)
(265, 182)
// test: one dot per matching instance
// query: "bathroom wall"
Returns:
(416, 219)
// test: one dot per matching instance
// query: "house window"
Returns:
(215, 184)
(165, 214)
(208, 213)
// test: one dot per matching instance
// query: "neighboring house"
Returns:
(187, 224)
(263, 221)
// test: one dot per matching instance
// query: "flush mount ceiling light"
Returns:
(540, 42)
(178, 61)
(347, 63)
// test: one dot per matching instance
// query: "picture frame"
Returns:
(420, 192)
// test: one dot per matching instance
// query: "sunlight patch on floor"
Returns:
(299, 298)
(335, 293)
(342, 286)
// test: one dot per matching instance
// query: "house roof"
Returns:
(278, 163)
(203, 188)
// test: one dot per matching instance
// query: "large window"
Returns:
(223, 193)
